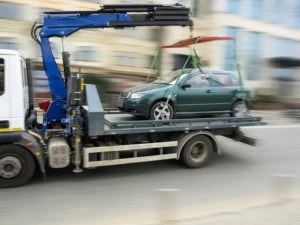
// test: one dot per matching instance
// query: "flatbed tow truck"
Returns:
(76, 129)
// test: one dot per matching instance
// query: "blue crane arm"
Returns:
(65, 23)
(63, 26)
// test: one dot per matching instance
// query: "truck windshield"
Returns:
(172, 76)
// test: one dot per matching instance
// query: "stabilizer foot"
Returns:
(77, 170)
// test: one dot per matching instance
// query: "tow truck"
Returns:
(76, 129)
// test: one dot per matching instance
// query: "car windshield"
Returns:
(169, 78)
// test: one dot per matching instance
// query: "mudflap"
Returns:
(239, 136)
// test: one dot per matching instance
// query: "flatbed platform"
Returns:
(180, 135)
(128, 124)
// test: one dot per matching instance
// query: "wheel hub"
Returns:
(10, 167)
(198, 151)
(162, 112)
(240, 110)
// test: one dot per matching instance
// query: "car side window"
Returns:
(224, 80)
(1, 76)
(198, 81)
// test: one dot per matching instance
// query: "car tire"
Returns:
(240, 109)
(197, 151)
(161, 111)
(17, 166)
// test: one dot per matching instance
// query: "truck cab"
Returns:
(14, 95)
(20, 148)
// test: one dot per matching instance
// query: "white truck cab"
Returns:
(14, 97)
(20, 148)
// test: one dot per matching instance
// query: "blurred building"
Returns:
(121, 57)
(264, 29)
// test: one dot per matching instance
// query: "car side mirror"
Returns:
(186, 85)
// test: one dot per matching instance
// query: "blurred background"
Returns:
(267, 33)
(268, 50)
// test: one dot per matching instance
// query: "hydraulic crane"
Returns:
(65, 23)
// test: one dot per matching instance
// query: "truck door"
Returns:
(4, 96)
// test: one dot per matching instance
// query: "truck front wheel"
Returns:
(17, 166)
(197, 151)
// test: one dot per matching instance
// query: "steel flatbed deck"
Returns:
(128, 124)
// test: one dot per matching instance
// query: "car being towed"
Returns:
(186, 92)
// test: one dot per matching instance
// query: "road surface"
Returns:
(116, 193)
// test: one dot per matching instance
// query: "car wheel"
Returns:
(161, 111)
(240, 109)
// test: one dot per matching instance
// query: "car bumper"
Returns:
(133, 106)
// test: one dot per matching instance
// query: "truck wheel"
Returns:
(161, 111)
(17, 166)
(240, 109)
(197, 151)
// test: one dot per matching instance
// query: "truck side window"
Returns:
(1, 76)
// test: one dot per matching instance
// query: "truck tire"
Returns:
(17, 166)
(161, 111)
(197, 151)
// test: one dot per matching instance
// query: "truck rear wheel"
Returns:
(197, 151)
(17, 166)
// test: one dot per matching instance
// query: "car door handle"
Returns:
(208, 91)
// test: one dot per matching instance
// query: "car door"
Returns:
(194, 94)
(224, 87)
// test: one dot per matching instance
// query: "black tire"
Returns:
(160, 112)
(240, 109)
(197, 151)
(17, 166)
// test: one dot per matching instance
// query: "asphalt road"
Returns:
(114, 193)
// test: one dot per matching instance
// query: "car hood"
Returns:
(146, 87)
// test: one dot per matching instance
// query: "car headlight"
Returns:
(136, 95)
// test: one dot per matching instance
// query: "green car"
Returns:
(187, 92)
